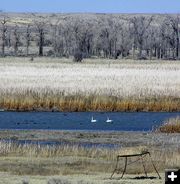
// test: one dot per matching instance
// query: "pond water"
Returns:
(122, 121)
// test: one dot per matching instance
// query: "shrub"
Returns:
(50, 53)
(78, 56)
(172, 125)
(143, 56)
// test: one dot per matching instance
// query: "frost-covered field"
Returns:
(122, 79)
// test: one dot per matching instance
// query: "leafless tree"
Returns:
(16, 39)
(174, 23)
(140, 26)
(108, 36)
(41, 28)
(4, 34)
(28, 38)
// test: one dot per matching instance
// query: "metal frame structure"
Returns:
(140, 156)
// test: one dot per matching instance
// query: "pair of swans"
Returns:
(107, 121)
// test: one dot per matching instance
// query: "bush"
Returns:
(78, 56)
(142, 57)
(50, 53)
(170, 126)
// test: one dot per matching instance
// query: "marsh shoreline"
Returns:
(121, 138)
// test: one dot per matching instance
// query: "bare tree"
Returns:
(124, 39)
(105, 37)
(152, 41)
(66, 39)
(40, 27)
(140, 26)
(4, 34)
(85, 39)
(174, 23)
(54, 36)
(28, 38)
(16, 39)
(108, 36)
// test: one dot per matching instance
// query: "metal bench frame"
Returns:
(141, 157)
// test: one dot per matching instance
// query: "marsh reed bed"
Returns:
(94, 85)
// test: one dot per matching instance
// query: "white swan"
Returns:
(109, 120)
(93, 120)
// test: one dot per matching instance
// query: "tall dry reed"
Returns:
(90, 86)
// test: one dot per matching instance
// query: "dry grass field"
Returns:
(91, 165)
(94, 85)
(40, 164)
(72, 164)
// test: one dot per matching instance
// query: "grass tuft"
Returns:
(172, 125)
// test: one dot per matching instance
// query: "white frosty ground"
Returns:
(134, 79)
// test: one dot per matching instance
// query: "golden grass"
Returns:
(172, 125)
(30, 102)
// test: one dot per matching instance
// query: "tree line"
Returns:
(104, 36)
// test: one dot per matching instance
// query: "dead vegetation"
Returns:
(31, 159)
(172, 125)
(59, 85)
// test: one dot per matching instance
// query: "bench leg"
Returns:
(116, 167)
(154, 166)
(142, 160)
(125, 166)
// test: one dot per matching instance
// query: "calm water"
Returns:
(123, 121)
